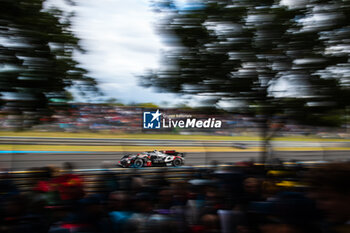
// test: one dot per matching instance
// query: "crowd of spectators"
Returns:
(244, 198)
(97, 117)
(113, 118)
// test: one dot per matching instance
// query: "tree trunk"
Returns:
(265, 140)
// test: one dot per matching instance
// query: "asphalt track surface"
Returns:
(22, 161)
(162, 142)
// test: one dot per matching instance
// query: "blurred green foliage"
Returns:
(269, 59)
(36, 59)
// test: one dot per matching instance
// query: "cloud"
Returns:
(129, 93)
(121, 43)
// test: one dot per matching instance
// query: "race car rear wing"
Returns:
(173, 152)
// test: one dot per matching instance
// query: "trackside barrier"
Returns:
(25, 180)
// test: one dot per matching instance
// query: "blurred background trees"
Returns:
(273, 59)
(36, 60)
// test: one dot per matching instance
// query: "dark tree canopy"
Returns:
(36, 58)
(273, 58)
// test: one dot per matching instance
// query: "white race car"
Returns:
(153, 158)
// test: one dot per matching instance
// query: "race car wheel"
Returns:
(177, 162)
(138, 163)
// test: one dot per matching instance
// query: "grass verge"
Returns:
(158, 136)
(150, 148)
